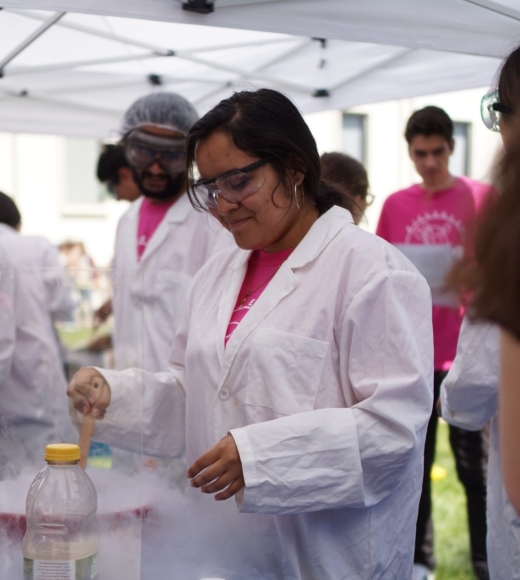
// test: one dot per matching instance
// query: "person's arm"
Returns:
(7, 319)
(57, 285)
(469, 394)
(137, 410)
(356, 456)
(382, 225)
(510, 416)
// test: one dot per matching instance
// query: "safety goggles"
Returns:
(234, 186)
(491, 110)
(143, 149)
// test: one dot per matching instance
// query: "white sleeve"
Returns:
(356, 456)
(57, 286)
(147, 411)
(7, 319)
(469, 394)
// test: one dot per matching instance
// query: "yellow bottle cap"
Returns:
(62, 452)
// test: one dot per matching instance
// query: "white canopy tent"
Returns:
(74, 66)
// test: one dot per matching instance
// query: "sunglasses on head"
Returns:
(491, 110)
(234, 186)
(143, 149)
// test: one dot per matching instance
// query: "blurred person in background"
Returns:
(114, 171)
(33, 408)
(351, 178)
(431, 222)
(161, 242)
(491, 273)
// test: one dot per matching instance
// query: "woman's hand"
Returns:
(89, 392)
(221, 470)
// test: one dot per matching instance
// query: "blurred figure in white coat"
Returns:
(161, 240)
(34, 407)
(470, 393)
(299, 380)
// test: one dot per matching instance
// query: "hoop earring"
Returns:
(296, 197)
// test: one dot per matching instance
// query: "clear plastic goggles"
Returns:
(234, 186)
(491, 110)
(143, 149)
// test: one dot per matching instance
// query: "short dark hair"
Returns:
(346, 172)
(9, 213)
(265, 123)
(429, 121)
(111, 159)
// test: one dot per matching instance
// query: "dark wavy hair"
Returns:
(429, 121)
(493, 276)
(265, 123)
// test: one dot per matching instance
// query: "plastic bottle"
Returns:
(62, 538)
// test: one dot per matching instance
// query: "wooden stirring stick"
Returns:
(85, 437)
(87, 428)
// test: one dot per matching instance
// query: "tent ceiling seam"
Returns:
(380, 65)
(497, 8)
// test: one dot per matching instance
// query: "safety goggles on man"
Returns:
(143, 149)
(234, 186)
(491, 110)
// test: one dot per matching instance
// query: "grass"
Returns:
(449, 517)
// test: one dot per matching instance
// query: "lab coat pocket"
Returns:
(284, 371)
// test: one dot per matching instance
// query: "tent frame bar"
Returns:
(497, 8)
(47, 23)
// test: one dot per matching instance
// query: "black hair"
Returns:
(9, 213)
(429, 121)
(265, 123)
(111, 159)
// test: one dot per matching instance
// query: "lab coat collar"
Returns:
(176, 214)
(6, 230)
(284, 282)
(324, 229)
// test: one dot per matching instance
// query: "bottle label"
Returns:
(85, 569)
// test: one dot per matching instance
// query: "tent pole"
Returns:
(495, 7)
(79, 63)
(88, 30)
(30, 39)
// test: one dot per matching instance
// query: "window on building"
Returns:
(354, 136)
(81, 158)
(459, 161)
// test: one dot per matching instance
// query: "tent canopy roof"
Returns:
(85, 67)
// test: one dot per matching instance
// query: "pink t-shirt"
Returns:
(150, 216)
(414, 216)
(263, 267)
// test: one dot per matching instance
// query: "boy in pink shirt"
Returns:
(429, 222)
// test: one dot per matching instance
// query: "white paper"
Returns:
(434, 262)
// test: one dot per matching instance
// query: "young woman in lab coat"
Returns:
(311, 408)
(470, 393)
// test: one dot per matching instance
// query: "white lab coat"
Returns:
(326, 388)
(34, 402)
(469, 398)
(148, 294)
(7, 322)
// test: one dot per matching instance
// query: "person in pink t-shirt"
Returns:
(429, 222)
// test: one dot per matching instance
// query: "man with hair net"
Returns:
(161, 240)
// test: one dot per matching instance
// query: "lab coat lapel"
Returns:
(177, 213)
(284, 282)
(233, 279)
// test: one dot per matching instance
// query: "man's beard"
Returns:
(173, 188)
